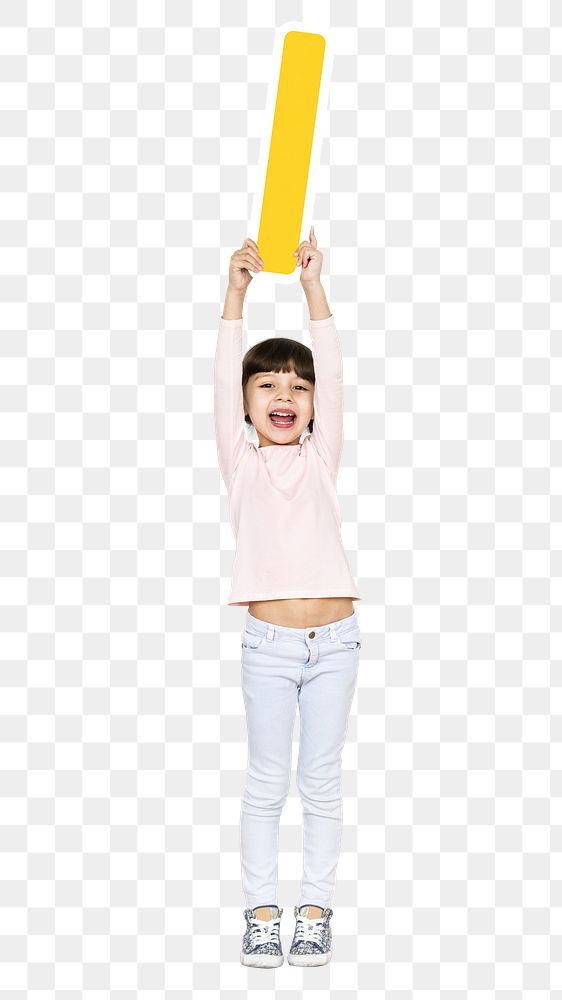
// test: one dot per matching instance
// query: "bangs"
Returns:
(278, 354)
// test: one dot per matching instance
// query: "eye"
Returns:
(265, 384)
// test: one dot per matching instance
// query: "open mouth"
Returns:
(284, 420)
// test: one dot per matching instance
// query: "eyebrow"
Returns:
(262, 374)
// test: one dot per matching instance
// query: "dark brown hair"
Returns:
(278, 354)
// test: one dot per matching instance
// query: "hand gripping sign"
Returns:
(287, 169)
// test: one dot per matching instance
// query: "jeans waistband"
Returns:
(284, 631)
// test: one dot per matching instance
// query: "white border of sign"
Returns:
(321, 130)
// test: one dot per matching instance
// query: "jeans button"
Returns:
(311, 635)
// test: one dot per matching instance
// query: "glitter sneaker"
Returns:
(261, 944)
(312, 940)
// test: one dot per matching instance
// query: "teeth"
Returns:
(275, 413)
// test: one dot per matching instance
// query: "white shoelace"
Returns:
(262, 930)
(309, 929)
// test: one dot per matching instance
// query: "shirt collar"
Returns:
(252, 434)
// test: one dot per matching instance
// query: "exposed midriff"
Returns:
(302, 612)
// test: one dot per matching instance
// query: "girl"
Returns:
(279, 432)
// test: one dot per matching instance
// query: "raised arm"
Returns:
(228, 400)
(228, 403)
(327, 433)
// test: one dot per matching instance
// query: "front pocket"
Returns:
(251, 640)
(349, 642)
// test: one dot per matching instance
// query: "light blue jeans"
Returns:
(315, 668)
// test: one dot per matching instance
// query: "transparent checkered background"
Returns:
(129, 141)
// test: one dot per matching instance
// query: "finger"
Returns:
(249, 244)
(247, 256)
(249, 261)
(306, 255)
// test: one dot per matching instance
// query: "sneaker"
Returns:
(261, 944)
(312, 940)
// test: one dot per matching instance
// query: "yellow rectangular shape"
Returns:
(292, 136)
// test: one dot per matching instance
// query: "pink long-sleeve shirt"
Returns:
(284, 509)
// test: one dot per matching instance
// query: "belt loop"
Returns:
(333, 633)
(270, 631)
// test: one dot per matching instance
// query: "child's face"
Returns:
(271, 391)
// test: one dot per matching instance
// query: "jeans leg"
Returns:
(324, 705)
(270, 698)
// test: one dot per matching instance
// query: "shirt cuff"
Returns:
(315, 323)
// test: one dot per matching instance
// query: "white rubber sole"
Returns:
(309, 959)
(262, 961)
